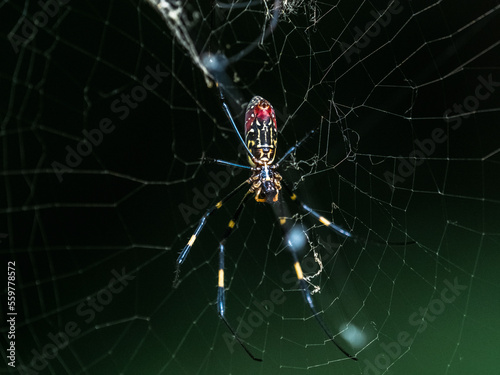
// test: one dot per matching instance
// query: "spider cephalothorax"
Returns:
(266, 182)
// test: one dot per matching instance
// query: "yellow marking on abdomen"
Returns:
(324, 221)
(191, 240)
(231, 224)
(221, 278)
(298, 270)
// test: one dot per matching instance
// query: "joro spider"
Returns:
(265, 185)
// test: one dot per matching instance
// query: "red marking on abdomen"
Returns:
(260, 109)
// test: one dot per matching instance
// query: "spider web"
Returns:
(404, 97)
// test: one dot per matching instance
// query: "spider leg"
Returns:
(217, 70)
(307, 297)
(231, 120)
(221, 293)
(185, 251)
(297, 145)
(260, 39)
(226, 163)
(286, 229)
(339, 230)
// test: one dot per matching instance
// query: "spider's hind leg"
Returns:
(293, 246)
(307, 297)
(201, 224)
(221, 293)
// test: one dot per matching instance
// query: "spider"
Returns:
(266, 184)
(265, 181)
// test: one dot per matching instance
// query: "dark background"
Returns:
(118, 210)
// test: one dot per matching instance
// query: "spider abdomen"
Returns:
(261, 131)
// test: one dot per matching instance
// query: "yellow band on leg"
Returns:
(324, 221)
(298, 270)
(221, 278)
